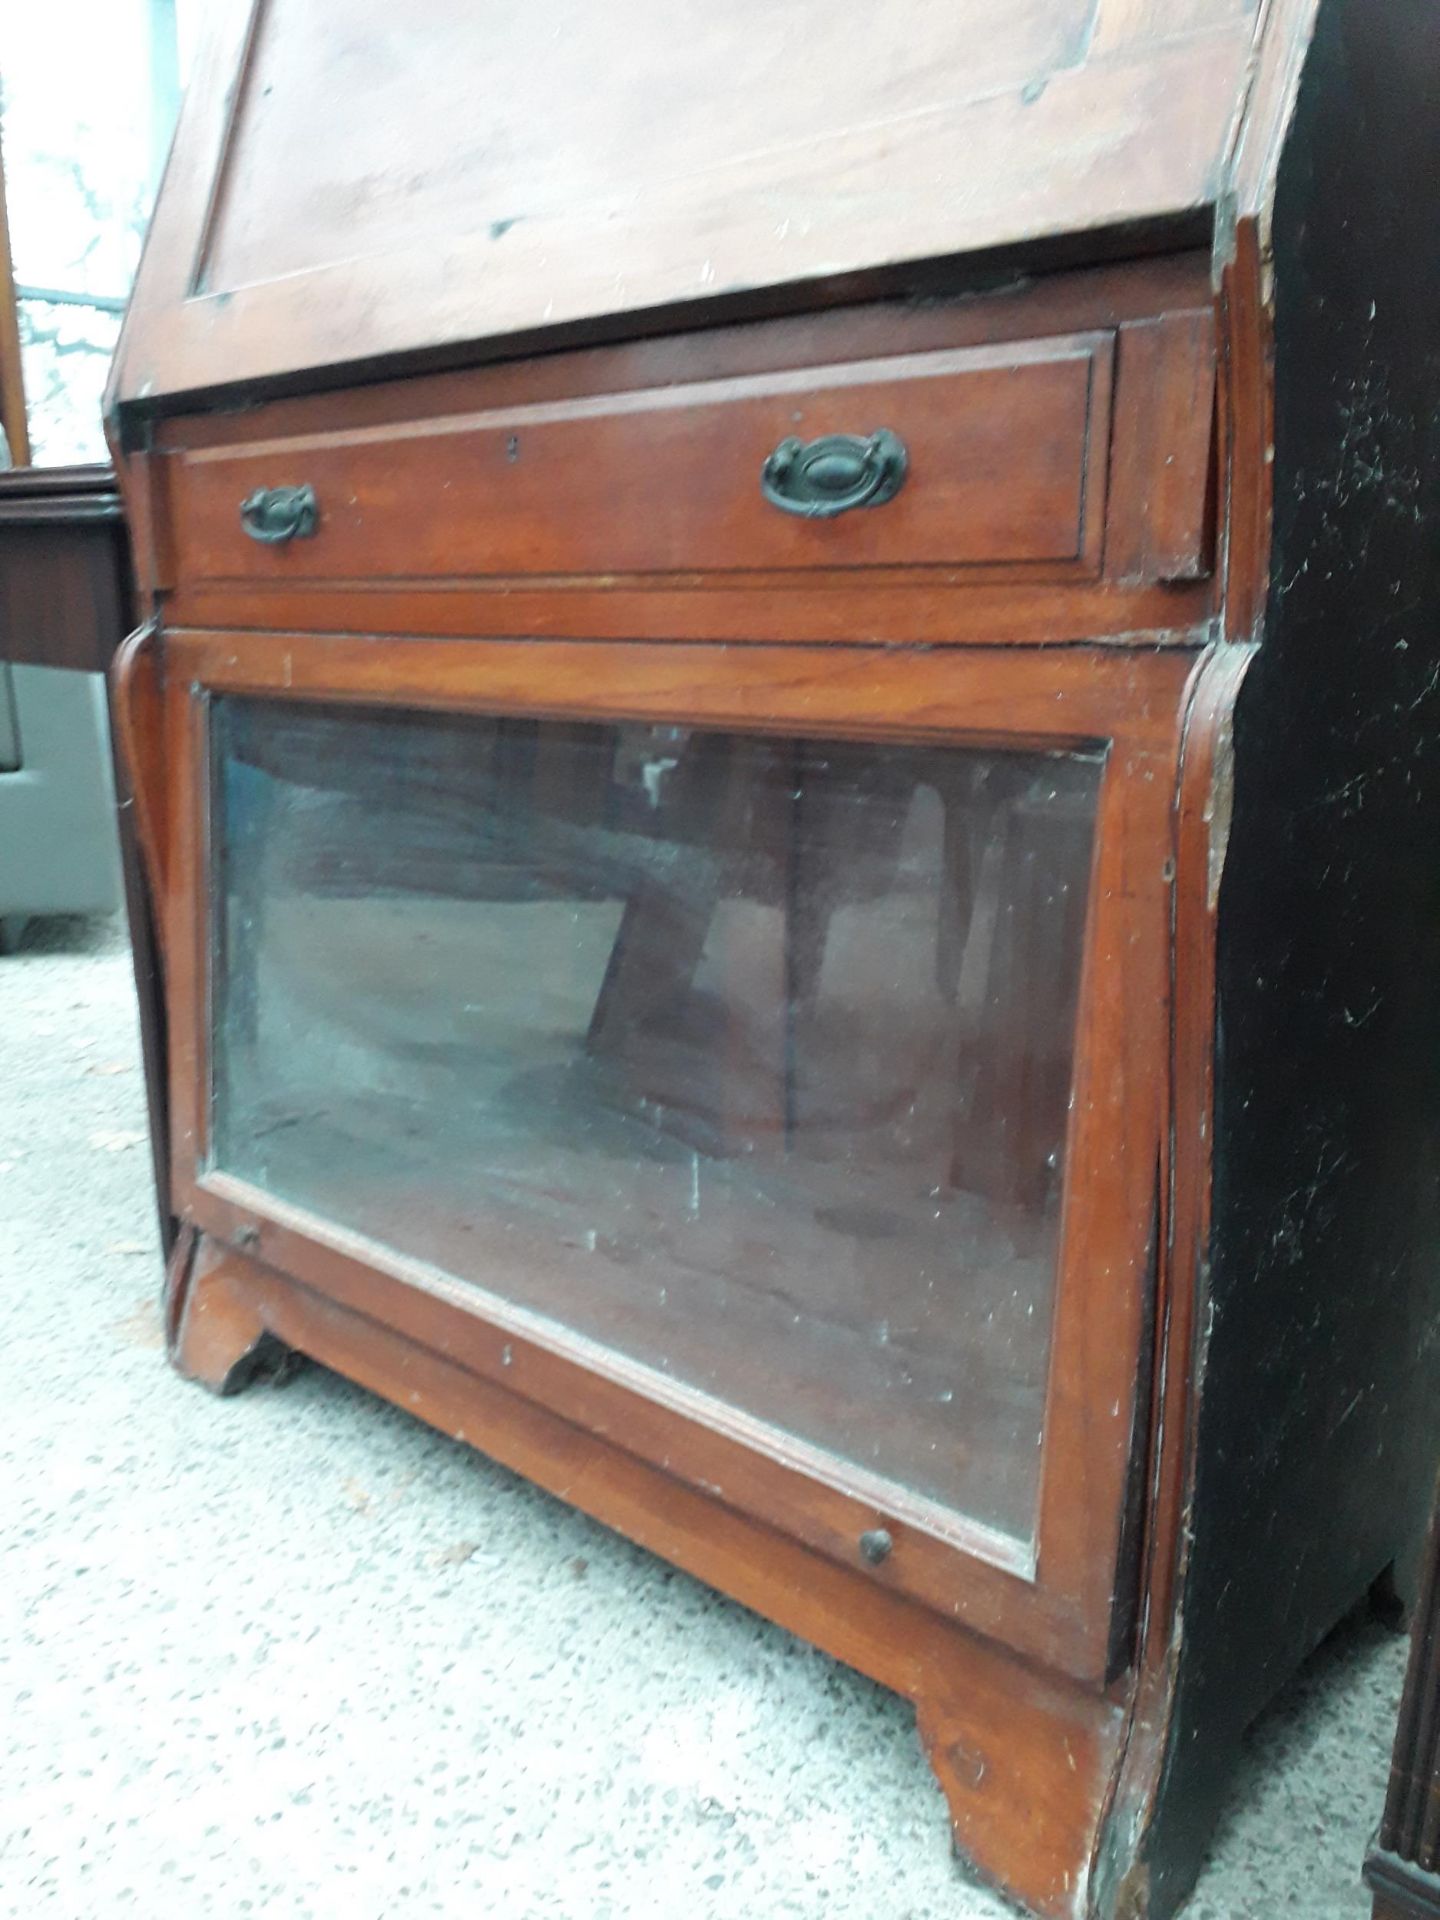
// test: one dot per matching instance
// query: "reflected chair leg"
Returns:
(214, 1331)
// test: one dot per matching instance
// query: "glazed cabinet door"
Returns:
(775, 1071)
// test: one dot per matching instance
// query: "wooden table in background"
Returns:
(1403, 1866)
(67, 601)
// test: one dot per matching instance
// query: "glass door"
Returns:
(758, 1056)
(746, 1057)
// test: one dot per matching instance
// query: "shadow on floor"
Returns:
(1308, 1791)
(68, 933)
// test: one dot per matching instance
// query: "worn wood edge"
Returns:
(136, 703)
(1243, 279)
(1021, 1755)
(504, 1348)
(80, 511)
(69, 496)
(82, 477)
(843, 617)
(185, 748)
(133, 691)
(1202, 820)
(66, 496)
(1154, 533)
(1248, 449)
(178, 1264)
(1282, 40)
(177, 327)
(1018, 307)
(975, 695)
(215, 1333)
(142, 484)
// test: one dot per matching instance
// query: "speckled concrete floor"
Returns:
(293, 1654)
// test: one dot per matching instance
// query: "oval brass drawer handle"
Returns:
(834, 474)
(277, 514)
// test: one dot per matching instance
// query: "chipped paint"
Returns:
(1219, 809)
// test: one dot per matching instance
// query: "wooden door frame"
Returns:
(1057, 1606)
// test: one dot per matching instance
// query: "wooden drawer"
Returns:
(1005, 447)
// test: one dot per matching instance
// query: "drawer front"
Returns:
(1005, 453)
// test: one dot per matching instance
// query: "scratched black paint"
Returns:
(1321, 1372)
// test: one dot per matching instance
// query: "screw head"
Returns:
(875, 1545)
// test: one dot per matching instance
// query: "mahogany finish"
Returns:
(303, 228)
(1067, 256)
(1007, 454)
(400, 547)
(1063, 1613)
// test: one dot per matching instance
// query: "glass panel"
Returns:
(66, 350)
(90, 95)
(747, 1058)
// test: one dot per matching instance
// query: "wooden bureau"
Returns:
(783, 750)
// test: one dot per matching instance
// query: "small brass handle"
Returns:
(274, 515)
(834, 474)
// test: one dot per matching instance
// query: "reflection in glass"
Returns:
(747, 1058)
(89, 98)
